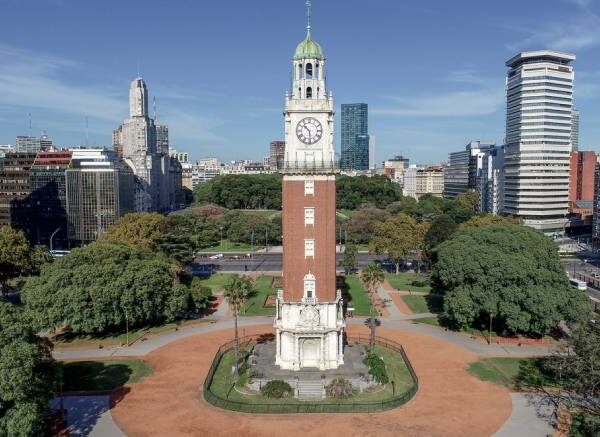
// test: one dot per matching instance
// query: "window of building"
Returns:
(317, 71)
(300, 71)
(309, 216)
(309, 71)
(309, 286)
(309, 187)
(309, 248)
(309, 93)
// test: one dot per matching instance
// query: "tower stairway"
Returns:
(309, 390)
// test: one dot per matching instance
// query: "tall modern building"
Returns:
(100, 189)
(15, 188)
(463, 169)
(355, 137)
(48, 198)
(144, 146)
(575, 130)
(539, 128)
(372, 144)
(309, 321)
(490, 180)
(276, 155)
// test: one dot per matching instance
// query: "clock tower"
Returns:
(309, 320)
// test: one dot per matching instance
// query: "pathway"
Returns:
(89, 416)
(527, 418)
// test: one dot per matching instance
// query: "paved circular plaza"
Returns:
(450, 402)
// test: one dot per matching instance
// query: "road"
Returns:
(585, 269)
(260, 262)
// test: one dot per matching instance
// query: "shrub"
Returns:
(277, 389)
(339, 388)
(419, 283)
(585, 425)
(376, 368)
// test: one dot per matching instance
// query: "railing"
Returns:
(302, 407)
(309, 167)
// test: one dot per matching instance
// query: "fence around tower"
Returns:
(302, 407)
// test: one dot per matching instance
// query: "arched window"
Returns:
(299, 93)
(309, 286)
(317, 71)
(318, 92)
(300, 71)
(309, 71)
(309, 93)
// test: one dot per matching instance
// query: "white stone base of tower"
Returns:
(309, 334)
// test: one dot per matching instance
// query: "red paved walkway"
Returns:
(450, 402)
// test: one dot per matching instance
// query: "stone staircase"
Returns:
(310, 390)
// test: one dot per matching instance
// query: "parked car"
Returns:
(217, 256)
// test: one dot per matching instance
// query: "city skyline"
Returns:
(426, 99)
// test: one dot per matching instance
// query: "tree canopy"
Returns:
(26, 375)
(397, 237)
(97, 288)
(509, 271)
(241, 191)
(14, 254)
(352, 192)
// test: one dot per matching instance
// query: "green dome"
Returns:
(308, 49)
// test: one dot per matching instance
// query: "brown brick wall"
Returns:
(295, 266)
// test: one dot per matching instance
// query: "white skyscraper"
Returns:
(138, 98)
(538, 138)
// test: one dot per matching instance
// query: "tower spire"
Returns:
(308, 17)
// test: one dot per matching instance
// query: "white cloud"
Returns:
(450, 104)
(575, 32)
(31, 81)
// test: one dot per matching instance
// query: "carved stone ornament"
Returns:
(309, 316)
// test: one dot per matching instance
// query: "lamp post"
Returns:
(491, 317)
(126, 329)
(51, 237)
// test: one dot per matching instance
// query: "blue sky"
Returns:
(432, 71)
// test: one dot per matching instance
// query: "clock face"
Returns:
(309, 130)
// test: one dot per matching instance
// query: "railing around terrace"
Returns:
(310, 167)
(283, 407)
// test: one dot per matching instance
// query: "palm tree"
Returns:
(237, 291)
(372, 276)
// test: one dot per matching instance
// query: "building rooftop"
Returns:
(549, 55)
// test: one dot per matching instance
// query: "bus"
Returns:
(578, 283)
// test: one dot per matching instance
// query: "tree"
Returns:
(352, 192)
(39, 256)
(98, 288)
(137, 229)
(441, 228)
(372, 276)
(26, 375)
(237, 292)
(509, 272)
(350, 257)
(360, 225)
(397, 237)
(14, 255)
(480, 221)
(468, 200)
(241, 191)
(575, 369)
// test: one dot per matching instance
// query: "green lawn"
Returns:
(255, 306)
(102, 375)
(424, 304)
(511, 372)
(217, 282)
(223, 380)
(433, 321)
(357, 295)
(403, 282)
(228, 246)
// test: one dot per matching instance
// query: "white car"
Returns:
(217, 256)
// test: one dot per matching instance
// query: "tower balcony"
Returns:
(310, 167)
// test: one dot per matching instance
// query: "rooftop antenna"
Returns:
(308, 16)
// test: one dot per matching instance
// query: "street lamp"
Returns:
(491, 317)
(51, 237)
(126, 329)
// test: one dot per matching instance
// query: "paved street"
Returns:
(259, 262)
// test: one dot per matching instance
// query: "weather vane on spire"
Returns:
(308, 13)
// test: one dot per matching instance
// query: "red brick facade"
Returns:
(581, 179)
(295, 264)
